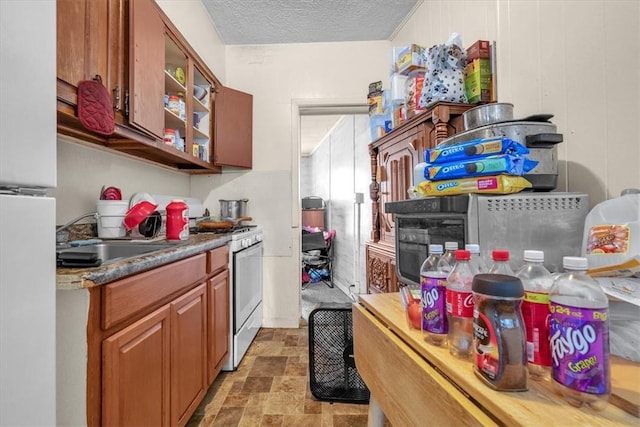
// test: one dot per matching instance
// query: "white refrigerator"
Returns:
(27, 214)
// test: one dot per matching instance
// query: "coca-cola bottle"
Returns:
(501, 263)
(535, 310)
(460, 306)
(433, 297)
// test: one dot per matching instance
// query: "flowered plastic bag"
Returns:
(444, 78)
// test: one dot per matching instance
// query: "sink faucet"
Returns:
(73, 221)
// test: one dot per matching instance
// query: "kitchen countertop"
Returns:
(80, 278)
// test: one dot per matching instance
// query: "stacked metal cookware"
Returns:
(536, 132)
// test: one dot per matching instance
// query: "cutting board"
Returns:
(625, 385)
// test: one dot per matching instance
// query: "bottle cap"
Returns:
(462, 255)
(575, 263)
(451, 246)
(500, 255)
(499, 285)
(473, 248)
(535, 256)
(435, 249)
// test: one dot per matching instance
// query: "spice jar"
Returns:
(499, 340)
(173, 104)
(170, 137)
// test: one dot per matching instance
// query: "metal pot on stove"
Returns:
(536, 133)
(233, 209)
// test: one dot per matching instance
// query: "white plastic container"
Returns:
(111, 218)
(612, 231)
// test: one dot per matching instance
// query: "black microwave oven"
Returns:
(547, 221)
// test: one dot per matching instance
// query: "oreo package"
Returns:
(476, 148)
(502, 164)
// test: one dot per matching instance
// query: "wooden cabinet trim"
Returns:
(132, 295)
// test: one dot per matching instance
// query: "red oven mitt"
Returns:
(95, 109)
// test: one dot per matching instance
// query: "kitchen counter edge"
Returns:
(82, 278)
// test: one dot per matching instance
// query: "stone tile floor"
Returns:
(271, 388)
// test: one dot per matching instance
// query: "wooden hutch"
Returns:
(393, 158)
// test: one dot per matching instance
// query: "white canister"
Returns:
(111, 218)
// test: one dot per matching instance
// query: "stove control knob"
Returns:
(246, 243)
(258, 237)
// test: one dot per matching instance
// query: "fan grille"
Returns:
(333, 374)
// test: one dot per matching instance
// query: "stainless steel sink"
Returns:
(107, 253)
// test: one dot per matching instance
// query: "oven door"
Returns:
(247, 283)
(414, 233)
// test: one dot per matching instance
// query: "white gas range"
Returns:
(245, 292)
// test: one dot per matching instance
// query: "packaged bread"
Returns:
(497, 184)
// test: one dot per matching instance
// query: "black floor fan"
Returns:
(332, 368)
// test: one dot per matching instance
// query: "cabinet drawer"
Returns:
(217, 259)
(132, 295)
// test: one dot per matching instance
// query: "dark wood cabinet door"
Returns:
(188, 353)
(146, 65)
(218, 326)
(395, 173)
(136, 373)
(233, 128)
(81, 45)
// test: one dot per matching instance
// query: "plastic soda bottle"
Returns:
(501, 263)
(476, 257)
(579, 336)
(460, 306)
(535, 310)
(448, 260)
(433, 298)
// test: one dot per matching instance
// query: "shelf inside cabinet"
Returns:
(172, 121)
(199, 134)
(199, 106)
(171, 85)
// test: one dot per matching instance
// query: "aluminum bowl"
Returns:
(487, 114)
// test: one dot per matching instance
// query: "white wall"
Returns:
(578, 60)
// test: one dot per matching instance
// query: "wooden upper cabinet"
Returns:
(135, 49)
(146, 64)
(82, 46)
(233, 128)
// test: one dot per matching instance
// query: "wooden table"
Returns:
(418, 384)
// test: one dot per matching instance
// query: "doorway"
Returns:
(335, 165)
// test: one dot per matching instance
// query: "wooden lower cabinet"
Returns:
(151, 359)
(218, 326)
(381, 269)
(136, 373)
(188, 354)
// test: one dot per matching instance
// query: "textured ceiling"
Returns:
(254, 22)
(307, 21)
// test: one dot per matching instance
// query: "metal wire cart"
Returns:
(317, 257)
